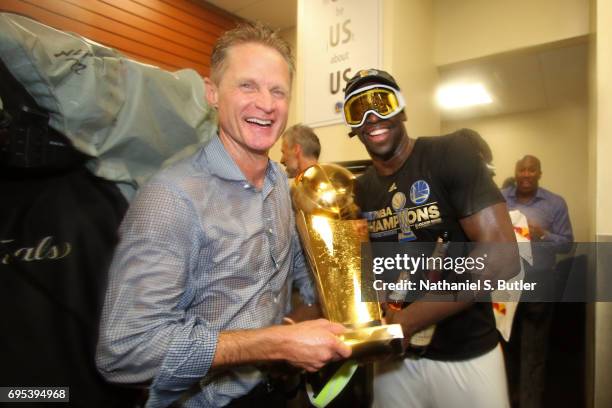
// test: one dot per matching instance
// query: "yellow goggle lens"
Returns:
(381, 100)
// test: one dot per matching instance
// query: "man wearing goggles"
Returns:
(419, 190)
(381, 100)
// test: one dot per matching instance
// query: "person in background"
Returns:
(300, 149)
(202, 276)
(447, 178)
(551, 233)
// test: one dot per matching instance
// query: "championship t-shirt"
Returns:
(443, 180)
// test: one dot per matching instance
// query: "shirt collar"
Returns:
(221, 164)
(538, 196)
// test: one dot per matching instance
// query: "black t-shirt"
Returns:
(443, 180)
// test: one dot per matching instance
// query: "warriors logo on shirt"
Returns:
(419, 192)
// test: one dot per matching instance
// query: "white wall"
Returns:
(466, 29)
(558, 137)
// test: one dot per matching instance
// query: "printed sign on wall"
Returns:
(337, 39)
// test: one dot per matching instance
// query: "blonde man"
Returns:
(202, 277)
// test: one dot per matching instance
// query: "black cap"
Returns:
(370, 76)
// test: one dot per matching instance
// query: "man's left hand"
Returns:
(537, 232)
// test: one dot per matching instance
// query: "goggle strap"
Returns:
(367, 88)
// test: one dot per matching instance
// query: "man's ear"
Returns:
(212, 93)
(298, 150)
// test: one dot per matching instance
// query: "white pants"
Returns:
(423, 383)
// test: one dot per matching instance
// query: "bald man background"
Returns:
(551, 232)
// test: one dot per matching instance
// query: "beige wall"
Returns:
(467, 29)
(603, 199)
(558, 137)
(604, 118)
(409, 57)
(592, 142)
(591, 193)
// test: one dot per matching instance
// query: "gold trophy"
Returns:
(332, 234)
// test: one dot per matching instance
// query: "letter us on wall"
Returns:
(336, 38)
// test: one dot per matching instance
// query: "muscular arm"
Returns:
(489, 225)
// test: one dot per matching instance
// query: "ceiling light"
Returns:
(459, 96)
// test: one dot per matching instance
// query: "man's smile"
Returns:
(259, 122)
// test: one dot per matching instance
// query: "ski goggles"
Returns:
(381, 100)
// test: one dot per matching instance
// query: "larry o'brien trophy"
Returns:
(331, 235)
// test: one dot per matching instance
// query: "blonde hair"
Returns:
(248, 32)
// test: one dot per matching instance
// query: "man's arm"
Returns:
(145, 332)
(308, 345)
(489, 225)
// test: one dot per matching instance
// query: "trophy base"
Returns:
(376, 342)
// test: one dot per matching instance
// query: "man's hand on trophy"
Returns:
(312, 344)
(393, 316)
